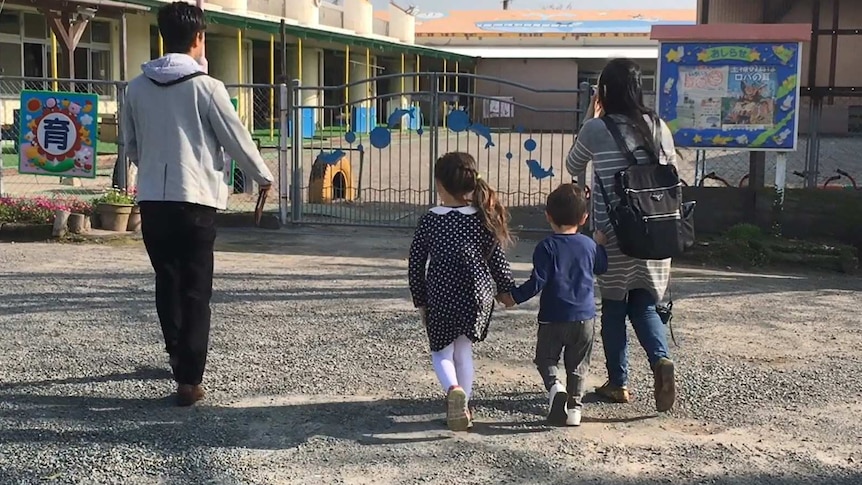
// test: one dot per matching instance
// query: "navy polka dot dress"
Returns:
(466, 269)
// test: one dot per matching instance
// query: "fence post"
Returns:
(435, 138)
(296, 150)
(585, 96)
(122, 158)
(812, 155)
(284, 184)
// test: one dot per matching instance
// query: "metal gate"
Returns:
(359, 156)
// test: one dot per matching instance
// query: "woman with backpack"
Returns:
(631, 287)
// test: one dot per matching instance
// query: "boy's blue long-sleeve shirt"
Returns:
(563, 269)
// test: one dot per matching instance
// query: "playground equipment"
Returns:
(331, 180)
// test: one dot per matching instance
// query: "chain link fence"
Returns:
(257, 106)
(21, 185)
(391, 184)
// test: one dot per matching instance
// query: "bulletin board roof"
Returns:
(732, 33)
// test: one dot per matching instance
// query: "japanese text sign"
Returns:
(58, 134)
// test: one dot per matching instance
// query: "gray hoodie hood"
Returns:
(171, 68)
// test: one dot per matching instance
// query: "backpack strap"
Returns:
(617, 135)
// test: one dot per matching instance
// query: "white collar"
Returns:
(441, 210)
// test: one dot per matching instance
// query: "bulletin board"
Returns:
(733, 95)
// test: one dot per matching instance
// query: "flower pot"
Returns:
(134, 220)
(114, 217)
(95, 220)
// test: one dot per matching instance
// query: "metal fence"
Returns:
(367, 156)
(363, 153)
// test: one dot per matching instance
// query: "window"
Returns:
(10, 65)
(10, 61)
(35, 26)
(35, 64)
(26, 51)
(154, 42)
(9, 23)
(100, 32)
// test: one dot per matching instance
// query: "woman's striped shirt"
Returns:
(595, 143)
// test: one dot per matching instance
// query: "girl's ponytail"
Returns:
(494, 216)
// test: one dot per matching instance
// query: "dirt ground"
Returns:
(319, 373)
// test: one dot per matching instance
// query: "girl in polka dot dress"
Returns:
(462, 243)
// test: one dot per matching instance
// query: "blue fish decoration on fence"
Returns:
(398, 115)
(331, 158)
(484, 132)
(537, 171)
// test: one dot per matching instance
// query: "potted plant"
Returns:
(135, 217)
(114, 210)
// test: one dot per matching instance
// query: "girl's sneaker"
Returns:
(557, 398)
(457, 414)
(574, 417)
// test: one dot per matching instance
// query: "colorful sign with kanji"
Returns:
(58, 134)
(730, 96)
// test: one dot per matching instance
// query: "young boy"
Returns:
(563, 269)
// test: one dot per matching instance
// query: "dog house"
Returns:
(331, 182)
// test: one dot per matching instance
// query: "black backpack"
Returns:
(650, 221)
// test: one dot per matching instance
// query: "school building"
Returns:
(831, 73)
(324, 45)
(547, 49)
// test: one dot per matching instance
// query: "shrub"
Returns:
(40, 210)
(744, 232)
(117, 197)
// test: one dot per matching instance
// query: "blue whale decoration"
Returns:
(537, 171)
(399, 114)
(484, 132)
(331, 158)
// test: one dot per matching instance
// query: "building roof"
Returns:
(570, 52)
(104, 7)
(272, 25)
(506, 23)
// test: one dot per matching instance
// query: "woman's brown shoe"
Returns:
(188, 394)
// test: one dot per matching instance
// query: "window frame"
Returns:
(20, 39)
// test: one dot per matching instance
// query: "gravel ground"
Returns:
(319, 373)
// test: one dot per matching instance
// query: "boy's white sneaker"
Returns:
(574, 417)
(557, 398)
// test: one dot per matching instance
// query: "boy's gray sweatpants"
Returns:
(575, 341)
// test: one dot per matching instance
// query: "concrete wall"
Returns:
(536, 73)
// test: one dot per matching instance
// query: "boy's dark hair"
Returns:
(567, 205)
(458, 174)
(179, 25)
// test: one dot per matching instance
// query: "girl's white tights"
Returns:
(454, 365)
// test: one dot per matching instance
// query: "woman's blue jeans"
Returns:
(639, 307)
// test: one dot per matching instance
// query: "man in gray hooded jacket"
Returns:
(176, 120)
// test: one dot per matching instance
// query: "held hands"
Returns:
(506, 300)
(600, 238)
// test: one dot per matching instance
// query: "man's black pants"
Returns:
(179, 238)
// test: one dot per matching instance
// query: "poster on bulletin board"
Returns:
(742, 96)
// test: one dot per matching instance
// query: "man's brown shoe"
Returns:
(188, 394)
